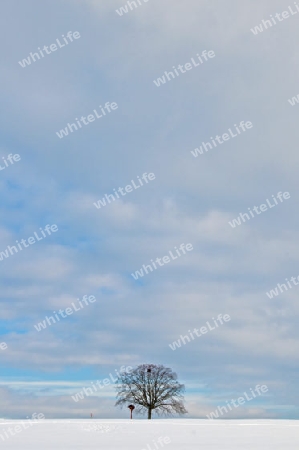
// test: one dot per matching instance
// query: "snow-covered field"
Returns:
(142, 434)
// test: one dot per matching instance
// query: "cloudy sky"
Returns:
(191, 200)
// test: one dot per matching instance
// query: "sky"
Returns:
(95, 250)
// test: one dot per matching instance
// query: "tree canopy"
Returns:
(150, 388)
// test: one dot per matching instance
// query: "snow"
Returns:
(183, 434)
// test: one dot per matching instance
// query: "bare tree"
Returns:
(151, 387)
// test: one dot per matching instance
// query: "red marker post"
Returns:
(131, 407)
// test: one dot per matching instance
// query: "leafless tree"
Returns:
(151, 387)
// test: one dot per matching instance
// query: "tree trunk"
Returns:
(149, 413)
